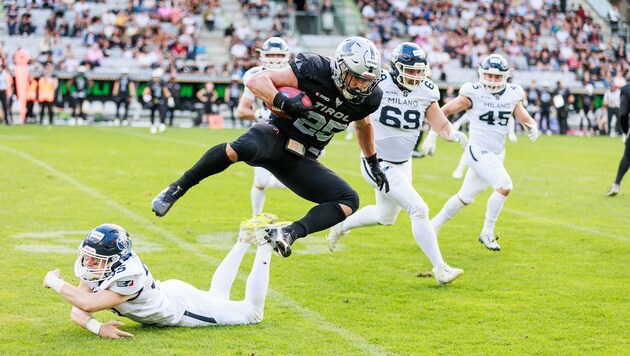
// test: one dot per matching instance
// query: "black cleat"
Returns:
(163, 202)
(280, 240)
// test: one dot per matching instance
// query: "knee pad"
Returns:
(387, 219)
(351, 199)
(466, 199)
(419, 211)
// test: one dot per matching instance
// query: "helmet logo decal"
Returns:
(123, 243)
(95, 236)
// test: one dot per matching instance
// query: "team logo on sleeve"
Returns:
(124, 244)
(123, 284)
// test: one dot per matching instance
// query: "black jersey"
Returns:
(331, 111)
(624, 109)
(123, 86)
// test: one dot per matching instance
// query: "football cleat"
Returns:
(252, 230)
(336, 232)
(490, 241)
(280, 240)
(417, 154)
(163, 202)
(614, 190)
(445, 273)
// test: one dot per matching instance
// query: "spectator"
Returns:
(5, 92)
(614, 17)
(208, 96)
(612, 101)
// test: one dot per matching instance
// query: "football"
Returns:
(290, 92)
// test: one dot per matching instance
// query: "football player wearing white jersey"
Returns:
(113, 277)
(274, 55)
(408, 99)
(490, 103)
(458, 173)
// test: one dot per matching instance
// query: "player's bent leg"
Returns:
(225, 274)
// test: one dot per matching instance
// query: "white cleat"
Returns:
(490, 241)
(446, 274)
(335, 233)
(161, 128)
(614, 190)
(153, 130)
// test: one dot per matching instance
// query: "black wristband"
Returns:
(278, 100)
(372, 160)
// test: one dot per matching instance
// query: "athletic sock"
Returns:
(257, 197)
(214, 161)
(225, 274)
(366, 216)
(493, 209)
(258, 279)
(449, 210)
(425, 237)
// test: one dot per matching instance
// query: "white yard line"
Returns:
(542, 219)
(309, 315)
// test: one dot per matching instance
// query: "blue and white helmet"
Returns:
(101, 252)
(274, 53)
(358, 57)
(405, 57)
(494, 64)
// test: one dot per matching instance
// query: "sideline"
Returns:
(317, 319)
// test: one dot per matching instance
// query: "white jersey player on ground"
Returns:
(408, 98)
(458, 173)
(274, 55)
(490, 103)
(113, 277)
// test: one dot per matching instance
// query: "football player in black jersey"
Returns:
(624, 120)
(342, 90)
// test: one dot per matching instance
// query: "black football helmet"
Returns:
(102, 251)
(408, 65)
(494, 64)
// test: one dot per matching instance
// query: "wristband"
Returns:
(278, 101)
(55, 282)
(372, 160)
(94, 326)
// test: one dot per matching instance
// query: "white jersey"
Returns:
(260, 109)
(154, 305)
(399, 118)
(490, 113)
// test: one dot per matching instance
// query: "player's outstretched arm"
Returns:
(443, 127)
(528, 122)
(107, 330)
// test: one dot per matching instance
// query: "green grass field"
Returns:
(561, 284)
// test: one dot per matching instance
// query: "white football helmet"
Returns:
(274, 53)
(494, 64)
(357, 57)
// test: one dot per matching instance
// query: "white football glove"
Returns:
(146, 98)
(170, 102)
(458, 136)
(532, 131)
(428, 146)
(512, 137)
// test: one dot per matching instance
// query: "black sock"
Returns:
(214, 161)
(318, 218)
(624, 164)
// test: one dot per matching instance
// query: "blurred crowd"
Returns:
(542, 35)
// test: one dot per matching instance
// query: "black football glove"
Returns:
(379, 176)
(292, 106)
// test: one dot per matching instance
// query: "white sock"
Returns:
(462, 164)
(449, 210)
(258, 279)
(366, 216)
(425, 236)
(493, 209)
(258, 200)
(225, 274)
(275, 183)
